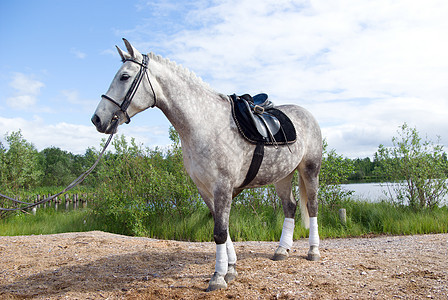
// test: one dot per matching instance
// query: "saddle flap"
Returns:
(266, 124)
(271, 123)
(255, 120)
(261, 122)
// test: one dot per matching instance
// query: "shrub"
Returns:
(416, 169)
(137, 183)
(335, 170)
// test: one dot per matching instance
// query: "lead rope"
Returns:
(69, 187)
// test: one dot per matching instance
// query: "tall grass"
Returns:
(198, 226)
(264, 224)
(381, 218)
(49, 221)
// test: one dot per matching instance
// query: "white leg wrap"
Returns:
(287, 233)
(314, 233)
(231, 255)
(221, 259)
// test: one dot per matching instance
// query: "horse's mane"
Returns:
(181, 70)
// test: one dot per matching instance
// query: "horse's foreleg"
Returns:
(284, 191)
(225, 252)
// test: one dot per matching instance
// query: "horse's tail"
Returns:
(303, 203)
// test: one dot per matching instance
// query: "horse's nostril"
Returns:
(96, 120)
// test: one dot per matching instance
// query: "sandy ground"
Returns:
(98, 265)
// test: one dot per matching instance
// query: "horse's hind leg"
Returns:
(308, 186)
(284, 191)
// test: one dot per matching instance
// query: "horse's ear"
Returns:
(123, 55)
(132, 51)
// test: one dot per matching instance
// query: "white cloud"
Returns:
(362, 67)
(77, 102)
(25, 84)
(74, 137)
(21, 101)
(26, 91)
(362, 47)
(78, 54)
(357, 128)
(109, 52)
(71, 96)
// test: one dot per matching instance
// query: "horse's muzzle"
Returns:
(107, 128)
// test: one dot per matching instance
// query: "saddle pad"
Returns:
(286, 134)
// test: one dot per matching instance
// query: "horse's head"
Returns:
(129, 93)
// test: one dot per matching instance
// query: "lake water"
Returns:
(372, 191)
(367, 191)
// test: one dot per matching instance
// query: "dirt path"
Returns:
(98, 265)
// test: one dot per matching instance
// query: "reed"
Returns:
(263, 224)
(49, 221)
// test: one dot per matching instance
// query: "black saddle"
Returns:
(259, 122)
(262, 124)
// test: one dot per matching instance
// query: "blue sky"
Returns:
(361, 67)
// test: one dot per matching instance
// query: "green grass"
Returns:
(48, 221)
(381, 218)
(363, 218)
(198, 226)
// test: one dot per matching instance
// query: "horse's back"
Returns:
(307, 130)
(303, 120)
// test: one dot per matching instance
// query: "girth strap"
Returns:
(255, 164)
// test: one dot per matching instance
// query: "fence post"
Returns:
(75, 200)
(67, 202)
(34, 209)
(343, 216)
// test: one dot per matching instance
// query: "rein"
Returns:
(133, 88)
(123, 108)
(69, 187)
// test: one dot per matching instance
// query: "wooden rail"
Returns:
(64, 202)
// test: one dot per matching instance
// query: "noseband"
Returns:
(133, 88)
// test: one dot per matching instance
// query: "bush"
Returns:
(335, 170)
(416, 169)
(138, 183)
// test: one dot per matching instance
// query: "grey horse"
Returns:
(215, 155)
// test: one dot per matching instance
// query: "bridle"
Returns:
(133, 88)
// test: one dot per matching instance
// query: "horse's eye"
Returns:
(124, 77)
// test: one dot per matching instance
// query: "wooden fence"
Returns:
(64, 202)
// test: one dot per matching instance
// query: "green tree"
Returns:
(19, 163)
(363, 170)
(335, 171)
(415, 167)
(57, 167)
(81, 163)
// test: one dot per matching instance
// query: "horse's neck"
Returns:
(187, 102)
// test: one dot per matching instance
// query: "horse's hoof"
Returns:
(231, 274)
(281, 254)
(217, 282)
(313, 254)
